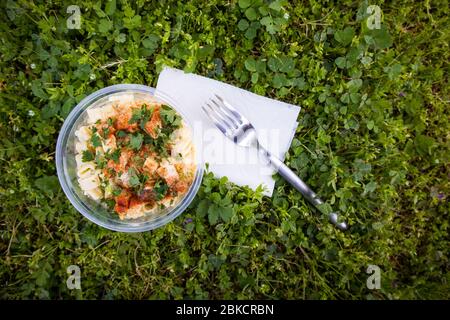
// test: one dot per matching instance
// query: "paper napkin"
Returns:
(274, 121)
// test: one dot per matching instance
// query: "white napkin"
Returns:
(274, 121)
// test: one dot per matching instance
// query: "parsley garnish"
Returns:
(95, 141)
(160, 189)
(105, 132)
(138, 160)
(170, 116)
(134, 179)
(87, 156)
(136, 141)
(110, 203)
(117, 191)
(136, 115)
(147, 113)
(121, 134)
(141, 115)
(114, 156)
(100, 161)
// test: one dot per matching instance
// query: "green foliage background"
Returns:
(372, 139)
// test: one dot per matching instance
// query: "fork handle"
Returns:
(298, 184)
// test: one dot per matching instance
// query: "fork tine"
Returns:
(214, 120)
(223, 112)
(222, 118)
(230, 108)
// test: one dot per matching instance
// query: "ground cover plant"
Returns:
(372, 140)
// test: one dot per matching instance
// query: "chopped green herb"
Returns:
(95, 141)
(110, 203)
(134, 179)
(145, 118)
(140, 115)
(121, 134)
(114, 156)
(136, 141)
(100, 161)
(87, 156)
(138, 161)
(143, 178)
(160, 189)
(105, 132)
(135, 116)
(170, 116)
(147, 138)
(117, 191)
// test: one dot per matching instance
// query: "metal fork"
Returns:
(238, 129)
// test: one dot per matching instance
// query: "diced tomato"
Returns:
(123, 119)
(181, 187)
(112, 165)
(124, 158)
(134, 201)
(106, 172)
(122, 202)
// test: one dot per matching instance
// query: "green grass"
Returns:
(373, 139)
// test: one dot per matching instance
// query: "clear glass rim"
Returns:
(62, 169)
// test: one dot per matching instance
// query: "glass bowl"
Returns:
(66, 164)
